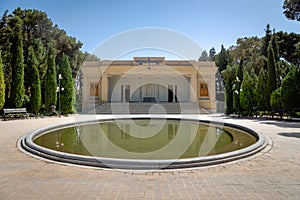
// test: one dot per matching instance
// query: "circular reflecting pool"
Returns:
(144, 143)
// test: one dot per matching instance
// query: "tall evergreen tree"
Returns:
(247, 96)
(275, 46)
(272, 81)
(222, 59)
(229, 78)
(262, 90)
(50, 82)
(35, 83)
(6, 45)
(41, 56)
(275, 100)
(212, 53)
(266, 40)
(229, 97)
(2, 85)
(37, 31)
(17, 63)
(67, 98)
(204, 56)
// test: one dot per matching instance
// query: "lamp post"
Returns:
(58, 90)
(238, 91)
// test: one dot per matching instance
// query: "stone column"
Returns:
(212, 92)
(140, 89)
(193, 88)
(174, 89)
(157, 82)
(123, 91)
(86, 93)
(104, 87)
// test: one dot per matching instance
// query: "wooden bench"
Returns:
(15, 112)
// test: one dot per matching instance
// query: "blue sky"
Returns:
(209, 23)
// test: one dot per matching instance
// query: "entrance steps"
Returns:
(149, 108)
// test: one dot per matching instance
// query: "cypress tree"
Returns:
(275, 46)
(222, 59)
(247, 96)
(67, 95)
(262, 90)
(229, 97)
(50, 82)
(35, 83)
(6, 32)
(272, 81)
(212, 53)
(275, 100)
(17, 63)
(204, 56)
(266, 41)
(229, 77)
(2, 85)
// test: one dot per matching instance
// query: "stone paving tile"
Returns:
(270, 175)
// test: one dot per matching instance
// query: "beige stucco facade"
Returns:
(149, 79)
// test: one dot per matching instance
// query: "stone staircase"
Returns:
(149, 108)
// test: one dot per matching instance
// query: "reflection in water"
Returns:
(146, 140)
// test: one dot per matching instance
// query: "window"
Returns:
(203, 89)
(93, 89)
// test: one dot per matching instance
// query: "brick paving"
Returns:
(271, 174)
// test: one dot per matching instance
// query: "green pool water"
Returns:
(146, 139)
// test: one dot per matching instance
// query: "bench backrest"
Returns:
(14, 110)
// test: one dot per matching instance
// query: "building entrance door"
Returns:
(150, 93)
(170, 93)
(127, 93)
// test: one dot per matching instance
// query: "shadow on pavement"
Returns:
(284, 124)
(296, 135)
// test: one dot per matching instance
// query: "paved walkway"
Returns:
(273, 174)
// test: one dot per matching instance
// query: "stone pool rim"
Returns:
(27, 144)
